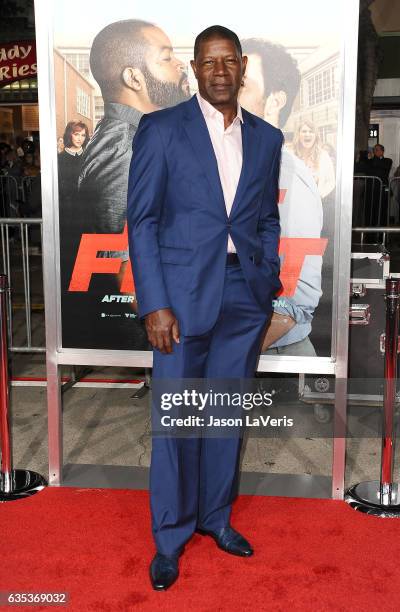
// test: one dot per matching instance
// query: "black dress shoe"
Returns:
(163, 571)
(230, 541)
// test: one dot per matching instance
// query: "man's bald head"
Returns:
(119, 45)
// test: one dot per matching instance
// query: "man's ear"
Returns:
(193, 65)
(133, 78)
(275, 102)
(244, 63)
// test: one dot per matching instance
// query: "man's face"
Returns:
(378, 152)
(219, 70)
(252, 94)
(166, 81)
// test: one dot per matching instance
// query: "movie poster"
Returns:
(115, 61)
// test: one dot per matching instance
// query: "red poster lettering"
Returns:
(294, 250)
(128, 285)
(282, 196)
(87, 262)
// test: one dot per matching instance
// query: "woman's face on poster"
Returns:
(78, 138)
(306, 137)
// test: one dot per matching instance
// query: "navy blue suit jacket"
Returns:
(177, 221)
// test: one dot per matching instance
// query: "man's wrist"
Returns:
(157, 310)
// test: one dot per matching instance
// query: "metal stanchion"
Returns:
(382, 498)
(142, 391)
(14, 484)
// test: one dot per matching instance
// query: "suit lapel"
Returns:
(197, 132)
(250, 149)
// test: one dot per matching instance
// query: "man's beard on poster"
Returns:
(163, 93)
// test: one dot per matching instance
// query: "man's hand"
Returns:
(162, 327)
(278, 326)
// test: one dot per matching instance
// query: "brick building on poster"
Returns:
(74, 95)
(317, 100)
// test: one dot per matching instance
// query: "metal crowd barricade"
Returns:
(14, 484)
(15, 243)
(376, 230)
(370, 206)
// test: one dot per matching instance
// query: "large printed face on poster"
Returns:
(120, 59)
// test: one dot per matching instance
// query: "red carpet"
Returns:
(310, 555)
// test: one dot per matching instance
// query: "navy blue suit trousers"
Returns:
(193, 481)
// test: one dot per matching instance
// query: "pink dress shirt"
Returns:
(228, 149)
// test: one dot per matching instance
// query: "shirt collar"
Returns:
(122, 112)
(211, 112)
(74, 153)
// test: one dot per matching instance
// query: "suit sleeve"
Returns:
(268, 224)
(146, 189)
(301, 217)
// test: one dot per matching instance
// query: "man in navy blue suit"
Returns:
(203, 228)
